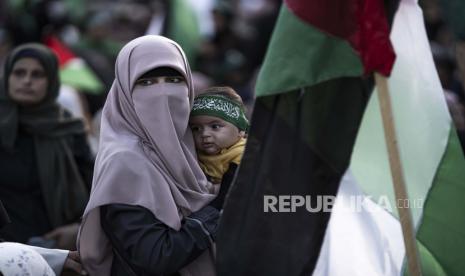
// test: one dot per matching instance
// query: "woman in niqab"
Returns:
(151, 210)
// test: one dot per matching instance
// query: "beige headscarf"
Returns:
(146, 154)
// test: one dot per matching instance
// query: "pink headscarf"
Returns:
(146, 155)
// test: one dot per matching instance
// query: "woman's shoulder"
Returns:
(122, 152)
(122, 166)
(124, 157)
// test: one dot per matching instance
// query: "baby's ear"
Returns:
(242, 134)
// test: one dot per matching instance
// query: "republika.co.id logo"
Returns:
(325, 203)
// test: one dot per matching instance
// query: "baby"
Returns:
(219, 126)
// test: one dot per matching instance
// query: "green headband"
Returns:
(221, 107)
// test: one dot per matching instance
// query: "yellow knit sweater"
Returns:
(217, 165)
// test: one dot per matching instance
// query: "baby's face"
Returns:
(212, 134)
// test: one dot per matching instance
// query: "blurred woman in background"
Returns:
(45, 161)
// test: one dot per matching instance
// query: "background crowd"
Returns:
(225, 42)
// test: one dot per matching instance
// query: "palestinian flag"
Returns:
(311, 96)
(74, 71)
(433, 161)
(182, 26)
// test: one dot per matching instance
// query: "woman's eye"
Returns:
(174, 79)
(38, 74)
(19, 73)
(144, 82)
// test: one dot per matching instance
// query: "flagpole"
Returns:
(397, 173)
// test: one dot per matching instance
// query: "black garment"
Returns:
(20, 189)
(149, 246)
(20, 192)
(4, 218)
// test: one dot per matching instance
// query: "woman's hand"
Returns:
(65, 236)
(208, 218)
(73, 264)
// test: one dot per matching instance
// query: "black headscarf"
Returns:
(63, 190)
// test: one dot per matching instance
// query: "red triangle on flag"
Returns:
(61, 50)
